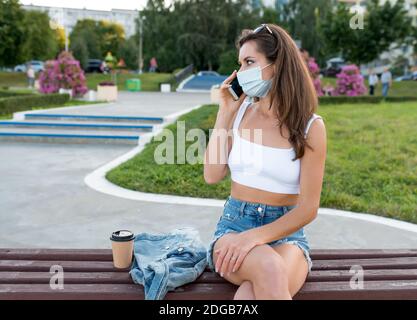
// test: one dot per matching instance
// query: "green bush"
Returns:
(11, 104)
(362, 99)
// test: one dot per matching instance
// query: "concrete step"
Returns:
(76, 125)
(68, 136)
(92, 118)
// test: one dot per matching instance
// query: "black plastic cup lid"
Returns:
(122, 235)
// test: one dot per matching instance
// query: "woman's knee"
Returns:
(271, 272)
(261, 264)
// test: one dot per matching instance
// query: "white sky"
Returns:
(90, 4)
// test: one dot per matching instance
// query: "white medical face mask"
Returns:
(252, 83)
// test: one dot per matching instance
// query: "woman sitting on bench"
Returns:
(259, 241)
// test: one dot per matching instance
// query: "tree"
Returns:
(111, 36)
(204, 41)
(414, 39)
(80, 51)
(99, 37)
(11, 32)
(129, 52)
(228, 62)
(383, 25)
(302, 20)
(87, 31)
(193, 31)
(60, 38)
(40, 41)
(413, 35)
(161, 27)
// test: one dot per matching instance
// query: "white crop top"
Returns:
(262, 167)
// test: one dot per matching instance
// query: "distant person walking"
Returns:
(30, 73)
(373, 81)
(153, 65)
(386, 80)
(104, 68)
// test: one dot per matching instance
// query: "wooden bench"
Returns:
(89, 274)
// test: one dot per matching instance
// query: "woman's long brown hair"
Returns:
(293, 95)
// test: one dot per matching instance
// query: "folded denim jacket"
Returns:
(163, 262)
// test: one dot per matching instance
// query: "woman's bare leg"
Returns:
(264, 268)
(245, 291)
(296, 263)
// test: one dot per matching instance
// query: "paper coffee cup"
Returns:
(122, 247)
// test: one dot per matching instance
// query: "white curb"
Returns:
(403, 225)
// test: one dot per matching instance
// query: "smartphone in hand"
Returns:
(235, 89)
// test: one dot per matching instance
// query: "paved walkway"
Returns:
(45, 202)
(152, 104)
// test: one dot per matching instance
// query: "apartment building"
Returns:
(68, 17)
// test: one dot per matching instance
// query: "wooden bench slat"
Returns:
(373, 263)
(57, 254)
(395, 290)
(329, 254)
(10, 277)
(368, 275)
(69, 277)
(113, 291)
(101, 266)
(71, 266)
(106, 254)
(405, 289)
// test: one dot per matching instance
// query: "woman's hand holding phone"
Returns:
(227, 105)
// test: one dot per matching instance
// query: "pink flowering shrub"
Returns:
(313, 66)
(66, 73)
(350, 82)
(317, 86)
(315, 74)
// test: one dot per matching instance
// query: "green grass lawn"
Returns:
(371, 161)
(149, 81)
(13, 79)
(66, 104)
(402, 88)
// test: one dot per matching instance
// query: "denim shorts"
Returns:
(239, 215)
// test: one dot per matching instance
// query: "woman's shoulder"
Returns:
(311, 121)
(316, 116)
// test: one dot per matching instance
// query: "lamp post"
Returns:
(140, 60)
